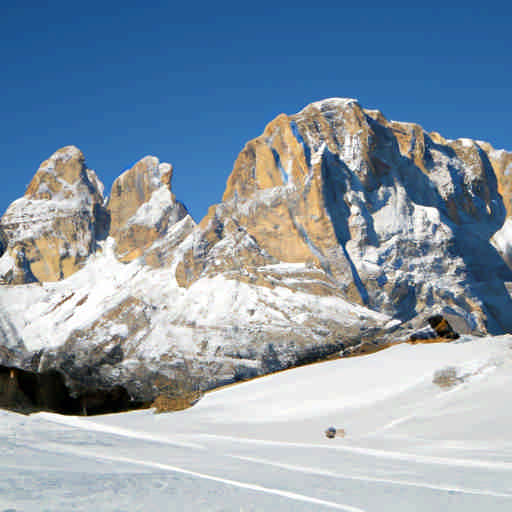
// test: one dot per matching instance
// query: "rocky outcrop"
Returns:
(442, 327)
(28, 392)
(51, 231)
(380, 212)
(142, 208)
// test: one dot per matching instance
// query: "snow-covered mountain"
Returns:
(385, 214)
(336, 226)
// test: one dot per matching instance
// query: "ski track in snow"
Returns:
(108, 429)
(408, 483)
(424, 459)
(76, 422)
(220, 454)
(144, 436)
(235, 483)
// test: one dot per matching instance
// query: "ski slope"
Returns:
(411, 445)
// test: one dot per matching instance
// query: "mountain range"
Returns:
(336, 227)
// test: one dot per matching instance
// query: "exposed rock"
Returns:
(27, 392)
(383, 213)
(52, 230)
(3, 242)
(442, 328)
(142, 208)
(338, 230)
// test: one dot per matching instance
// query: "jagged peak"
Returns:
(67, 153)
(70, 150)
(62, 155)
(467, 143)
(142, 207)
(328, 105)
(158, 173)
(333, 103)
(376, 115)
(437, 137)
(64, 175)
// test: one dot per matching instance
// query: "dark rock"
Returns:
(26, 392)
(442, 328)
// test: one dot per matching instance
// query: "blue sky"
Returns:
(192, 82)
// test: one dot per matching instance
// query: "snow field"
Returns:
(410, 445)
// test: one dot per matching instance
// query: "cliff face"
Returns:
(50, 232)
(381, 212)
(337, 226)
(142, 208)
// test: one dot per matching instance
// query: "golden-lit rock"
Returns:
(53, 228)
(142, 207)
(385, 213)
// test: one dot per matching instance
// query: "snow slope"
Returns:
(410, 444)
(221, 323)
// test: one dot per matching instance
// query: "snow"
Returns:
(400, 216)
(46, 316)
(410, 444)
(285, 268)
(6, 263)
(502, 239)
(318, 155)
(497, 154)
(467, 143)
(152, 212)
(216, 301)
(31, 218)
(98, 184)
(333, 103)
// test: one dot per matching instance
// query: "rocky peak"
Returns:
(65, 176)
(53, 228)
(378, 211)
(142, 207)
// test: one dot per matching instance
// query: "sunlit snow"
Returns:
(410, 445)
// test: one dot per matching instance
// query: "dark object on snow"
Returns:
(442, 327)
(332, 432)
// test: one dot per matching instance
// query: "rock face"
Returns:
(337, 227)
(442, 327)
(381, 212)
(142, 208)
(50, 232)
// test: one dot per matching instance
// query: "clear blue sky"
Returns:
(191, 82)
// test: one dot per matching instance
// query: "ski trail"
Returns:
(234, 483)
(372, 452)
(408, 483)
(85, 424)
(417, 410)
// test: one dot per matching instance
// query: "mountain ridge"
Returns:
(336, 227)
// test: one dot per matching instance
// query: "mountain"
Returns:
(385, 214)
(337, 227)
(142, 207)
(51, 231)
